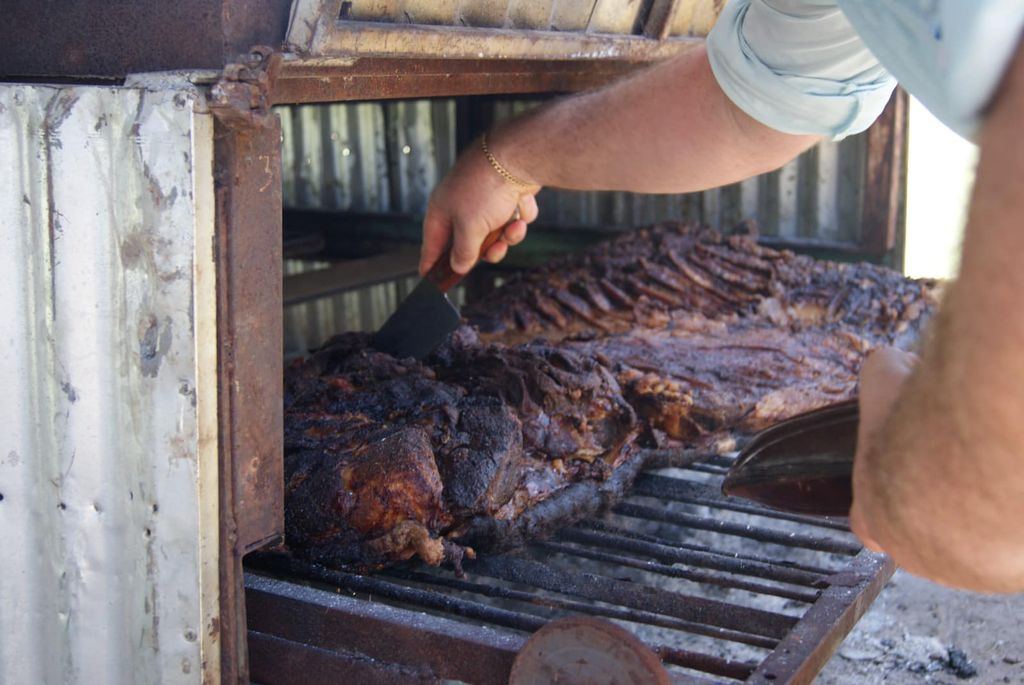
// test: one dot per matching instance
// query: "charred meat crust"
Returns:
(530, 419)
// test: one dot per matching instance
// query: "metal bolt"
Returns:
(406, 149)
(345, 151)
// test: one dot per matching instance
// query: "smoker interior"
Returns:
(722, 590)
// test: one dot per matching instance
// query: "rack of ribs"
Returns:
(536, 413)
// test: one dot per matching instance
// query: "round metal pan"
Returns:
(802, 465)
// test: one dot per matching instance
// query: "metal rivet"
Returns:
(334, 136)
(190, 635)
(345, 151)
(406, 149)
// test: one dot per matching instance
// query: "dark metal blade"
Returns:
(803, 465)
(422, 321)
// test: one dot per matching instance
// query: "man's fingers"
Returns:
(514, 233)
(437, 231)
(528, 208)
(496, 252)
(465, 249)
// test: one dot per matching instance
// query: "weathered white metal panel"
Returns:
(99, 450)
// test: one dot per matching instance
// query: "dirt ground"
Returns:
(917, 632)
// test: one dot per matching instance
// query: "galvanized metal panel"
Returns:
(695, 17)
(530, 14)
(571, 15)
(817, 197)
(100, 451)
(483, 13)
(430, 11)
(371, 10)
(615, 16)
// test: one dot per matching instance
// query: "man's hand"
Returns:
(471, 201)
(665, 129)
(882, 376)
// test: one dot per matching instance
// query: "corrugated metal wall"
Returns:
(692, 17)
(387, 156)
(99, 457)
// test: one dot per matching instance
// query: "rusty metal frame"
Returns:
(885, 177)
(315, 30)
(378, 78)
(344, 635)
(315, 620)
(818, 634)
(247, 245)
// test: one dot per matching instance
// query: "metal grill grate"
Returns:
(723, 591)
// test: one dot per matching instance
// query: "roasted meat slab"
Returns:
(643, 277)
(536, 414)
(386, 458)
(703, 383)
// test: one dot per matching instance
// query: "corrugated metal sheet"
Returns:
(692, 17)
(100, 489)
(388, 156)
(372, 157)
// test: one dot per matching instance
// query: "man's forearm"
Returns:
(668, 129)
(945, 482)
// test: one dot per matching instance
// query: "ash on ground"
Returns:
(919, 632)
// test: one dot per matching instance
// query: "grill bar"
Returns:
(602, 589)
(646, 617)
(819, 632)
(786, 564)
(737, 670)
(276, 660)
(422, 598)
(689, 492)
(436, 646)
(707, 468)
(664, 551)
(817, 543)
(515, 594)
(697, 576)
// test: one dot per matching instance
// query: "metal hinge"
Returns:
(241, 97)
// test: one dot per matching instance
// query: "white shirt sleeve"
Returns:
(797, 66)
(949, 54)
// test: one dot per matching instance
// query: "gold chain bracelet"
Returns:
(502, 171)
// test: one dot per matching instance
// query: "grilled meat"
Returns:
(674, 335)
(386, 459)
(702, 383)
(642, 278)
